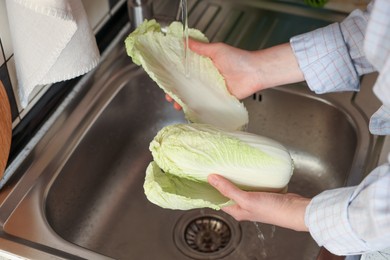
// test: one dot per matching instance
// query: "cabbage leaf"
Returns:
(203, 94)
(172, 192)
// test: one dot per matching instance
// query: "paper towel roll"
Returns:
(52, 42)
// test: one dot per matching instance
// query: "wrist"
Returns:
(284, 210)
(299, 207)
(292, 212)
(278, 66)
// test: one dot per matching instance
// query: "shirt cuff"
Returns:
(328, 223)
(325, 61)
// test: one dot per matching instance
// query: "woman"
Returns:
(347, 221)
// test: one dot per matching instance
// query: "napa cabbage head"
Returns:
(188, 153)
(202, 94)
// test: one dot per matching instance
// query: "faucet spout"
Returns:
(167, 11)
(139, 10)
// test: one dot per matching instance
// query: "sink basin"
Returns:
(81, 185)
(97, 200)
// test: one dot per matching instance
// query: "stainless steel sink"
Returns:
(79, 193)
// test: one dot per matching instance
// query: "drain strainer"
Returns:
(207, 234)
(202, 234)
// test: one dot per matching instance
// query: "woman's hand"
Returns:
(284, 210)
(234, 64)
(247, 72)
(239, 67)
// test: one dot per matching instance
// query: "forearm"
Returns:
(353, 220)
(332, 58)
(278, 66)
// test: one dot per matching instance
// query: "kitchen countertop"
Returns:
(346, 5)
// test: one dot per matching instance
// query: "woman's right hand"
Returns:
(246, 72)
(238, 67)
(234, 65)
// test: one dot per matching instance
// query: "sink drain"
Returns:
(206, 235)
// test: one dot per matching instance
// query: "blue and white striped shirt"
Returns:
(352, 220)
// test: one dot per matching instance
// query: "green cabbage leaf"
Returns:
(172, 192)
(202, 94)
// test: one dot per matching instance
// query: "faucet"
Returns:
(139, 10)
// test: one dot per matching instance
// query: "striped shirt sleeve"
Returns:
(332, 58)
(353, 220)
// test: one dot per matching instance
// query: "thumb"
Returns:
(202, 48)
(226, 188)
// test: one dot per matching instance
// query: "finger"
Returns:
(226, 188)
(177, 106)
(168, 98)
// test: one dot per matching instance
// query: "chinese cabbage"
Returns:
(203, 94)
(188, 153)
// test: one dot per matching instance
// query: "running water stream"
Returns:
(184, 18)
(261, 238)
(266, 249)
